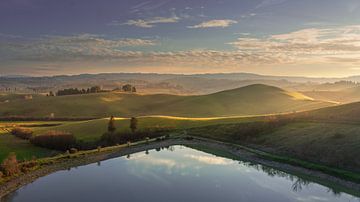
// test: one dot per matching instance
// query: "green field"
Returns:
(22, 148)
(91, 131)
(250, 100)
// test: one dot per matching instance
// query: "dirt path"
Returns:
(85, 159)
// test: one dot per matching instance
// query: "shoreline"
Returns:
(93, 156)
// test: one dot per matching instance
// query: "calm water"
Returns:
(174, 174)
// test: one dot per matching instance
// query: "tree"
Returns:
(111, 125)
(133, 124)
(127, 88)
(95, 89)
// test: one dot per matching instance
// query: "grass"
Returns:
(242, 101)
(90, 131)
(335, 145)
(23, 149)
(352, 176)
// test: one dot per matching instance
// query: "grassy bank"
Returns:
(335, 145)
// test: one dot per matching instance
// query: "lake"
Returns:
(177, 173)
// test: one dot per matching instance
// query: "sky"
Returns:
(316, 38)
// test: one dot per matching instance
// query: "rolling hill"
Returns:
(250, 100)
(347, 113)
(344, 96)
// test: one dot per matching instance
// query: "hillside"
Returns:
(250, 100)
(341, 113)
(347, 95)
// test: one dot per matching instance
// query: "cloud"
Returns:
(268, 3)
(334, 46)
(210, 160)
(214, 23)
(148, 23)
(317, 45)
(64, 48)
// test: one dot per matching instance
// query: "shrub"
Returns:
(22, 133)
(10, 165)
(111, 125)
(28, 165)
(133, 124)
(73, 151)
(55, 140)
(1, 175)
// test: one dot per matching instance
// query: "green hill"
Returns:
(92, 130)
(347, 113)
(250, 100)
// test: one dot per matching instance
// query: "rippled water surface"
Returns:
(176, 173)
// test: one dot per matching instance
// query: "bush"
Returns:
(10, 165)
(57, 140)
(73, 151)
(22, 133)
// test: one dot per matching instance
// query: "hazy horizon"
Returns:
(186, 74)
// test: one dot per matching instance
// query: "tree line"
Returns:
(93, 89)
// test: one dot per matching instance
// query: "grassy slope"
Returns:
(22, 148)
(347, 95)
(250, 100)
(92, 130)
(329, 143)
(348, 113)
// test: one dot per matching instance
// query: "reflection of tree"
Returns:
(171, 148)
(335, 192)
(298, 184)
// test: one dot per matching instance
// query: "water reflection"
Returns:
(175, 173)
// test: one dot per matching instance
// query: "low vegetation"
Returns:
(10, 165)
(23, 133)
(57, 140)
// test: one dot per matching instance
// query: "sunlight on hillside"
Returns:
(111, 98)
(299, 96)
